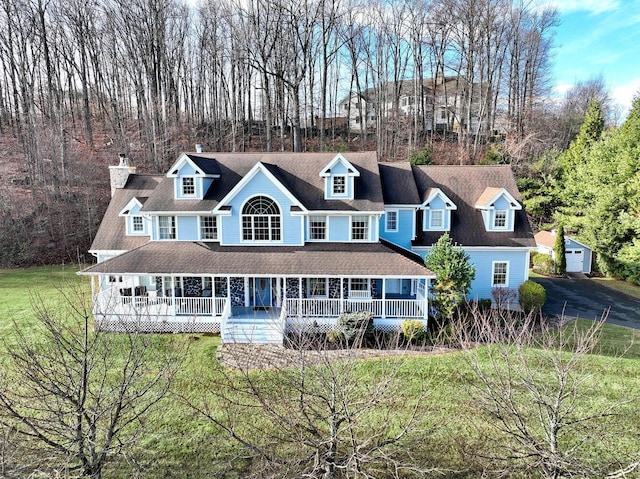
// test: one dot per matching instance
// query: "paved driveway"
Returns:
(581, 297)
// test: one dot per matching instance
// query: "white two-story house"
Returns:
(253, 245)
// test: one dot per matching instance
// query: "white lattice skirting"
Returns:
(148, 326)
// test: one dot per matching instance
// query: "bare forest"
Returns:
(84, 80)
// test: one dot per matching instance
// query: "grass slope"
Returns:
(181, 444)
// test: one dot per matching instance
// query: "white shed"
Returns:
(578, 254)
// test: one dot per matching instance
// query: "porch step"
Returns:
(243, 330)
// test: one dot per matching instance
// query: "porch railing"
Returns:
(380, 308)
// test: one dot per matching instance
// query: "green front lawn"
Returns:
(181, 444)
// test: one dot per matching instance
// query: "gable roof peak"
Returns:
(491, 194)
(339, 158)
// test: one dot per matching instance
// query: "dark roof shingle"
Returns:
(321, 259)
(464, 185)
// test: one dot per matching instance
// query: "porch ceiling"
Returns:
(322, 259)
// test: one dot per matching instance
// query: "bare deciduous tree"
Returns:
(536, 384)
(80, 396)
(319, 413)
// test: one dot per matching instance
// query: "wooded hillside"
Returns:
(84, 80)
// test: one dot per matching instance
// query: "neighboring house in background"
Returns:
(579, 255)
(448, 104)
(256, 244)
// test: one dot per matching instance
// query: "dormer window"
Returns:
(498, 209)
(437, 211)
(138, 224)
(188, 186)
(500, 219)
(436, 219)
(339, 176)
(339, 186)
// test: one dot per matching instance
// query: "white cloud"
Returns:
(623, 94)
(561, 88)
(592, 6)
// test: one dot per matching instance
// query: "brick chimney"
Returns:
(120, 174)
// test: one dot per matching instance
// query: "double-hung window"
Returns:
(500, 219)
(339, 185)
(436, 219)
(318, 227)
(360, 228)
(391, 221)
(167, 227)
(500, 274)
(188, 186)
(317, 287)
(208, 228)
(138, 224)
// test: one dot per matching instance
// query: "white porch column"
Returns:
(341, 294)
(299, 295)
(247, 297)
(425, 314)
(384, 298)
(278, 292)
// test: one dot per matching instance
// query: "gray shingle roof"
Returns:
(298, 172)
(398, 185)
(464, 185)
(111, 234)
(321, 259)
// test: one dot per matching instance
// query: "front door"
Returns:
(262, 292)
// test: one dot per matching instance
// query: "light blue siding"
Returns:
(260, 184)
(154, 228)
(187, 228)
(518, 269)
(403, 236)
(339, 228)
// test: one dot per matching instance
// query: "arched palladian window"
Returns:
(261, 220)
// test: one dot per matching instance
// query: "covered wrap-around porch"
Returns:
(263, 306)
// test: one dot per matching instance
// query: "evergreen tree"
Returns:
(612, 220)
(575, 198)
(561, 252)
(454, 274)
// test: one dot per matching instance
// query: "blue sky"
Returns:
(598, 38)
